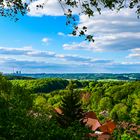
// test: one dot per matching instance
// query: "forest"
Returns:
(28, 108)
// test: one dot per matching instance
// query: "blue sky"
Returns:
(41, 42)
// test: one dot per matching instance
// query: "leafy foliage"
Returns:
(24, 115)
(15, 102)
(42, 85)
(19, 118)
(10, 8)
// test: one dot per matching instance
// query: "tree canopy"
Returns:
(10, 8)
(28, 115)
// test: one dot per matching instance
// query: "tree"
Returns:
(105, 104)
(71, 108)
(71, 86)
(120, 112)
(15, 103)
(10, 8)
(88, 7)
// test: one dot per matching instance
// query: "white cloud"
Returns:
(108, 42)
(84, 45)
(45, 40)
(26, 51)
(76, 46)
(124, 67)
(112, 31)
(61, 34)
(45, 54)
(135, 53)
(30, 62)
(31, 54)
(75, 58)
(43, 66)
(15, 51)
(51, 8)
(136, 50)
(66, 35)
(110, 20)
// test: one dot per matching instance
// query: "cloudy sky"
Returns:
(41, 42)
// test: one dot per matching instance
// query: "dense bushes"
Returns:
(15, 102)
(121, 99)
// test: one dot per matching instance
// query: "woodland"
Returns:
(27, 108)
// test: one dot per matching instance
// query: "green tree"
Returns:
(120, 112)
(15, 103)
(71, 107)
(105, 104)
(71, 86)
(135, 111)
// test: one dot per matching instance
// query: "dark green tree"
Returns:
(15, 103)
(71, 107)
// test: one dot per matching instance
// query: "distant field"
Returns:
(108, 80)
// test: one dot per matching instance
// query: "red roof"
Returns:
(93, 124)
(108, 127)
(91, 114)
(91, 120)
(58, 110)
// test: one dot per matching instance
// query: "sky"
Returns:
(40, 42)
